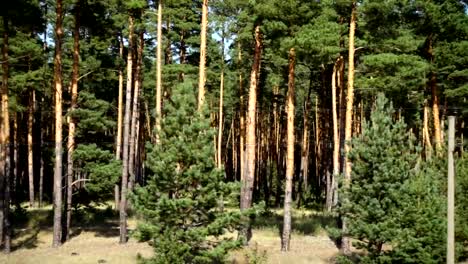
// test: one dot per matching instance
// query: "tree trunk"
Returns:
(426, 138)
(435, 98)
(57, 237)
(135, 112)
(126, 135)
(202, 73)
(290, 154)
(30, 148)
(249, 174)
(158, 71)
(118, 149)
(336, 138)
(220, 117)
(5, 232)
(41, 169)
(346, 246)
(241, 116)
(71, 120)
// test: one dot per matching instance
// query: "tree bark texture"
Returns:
(202, 72)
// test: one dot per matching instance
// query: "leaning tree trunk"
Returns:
(346, 246)
(58, 127)
(202, 72)
(289, 154)
(249, 170)
(72, 121)
(126, 135)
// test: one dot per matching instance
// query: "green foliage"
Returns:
(180, 204)
(394, 206)
(100, 167)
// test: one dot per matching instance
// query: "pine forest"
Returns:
(233, 131)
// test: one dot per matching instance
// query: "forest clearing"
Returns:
(234, 131)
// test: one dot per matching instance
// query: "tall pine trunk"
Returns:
(135, 113)
(158, 70)
(220, 116)
(202, 72)
(71, 120)
(241, 115)
(435, 98)
(249, 170)
(118, 149)
(289, 154)
(5, 232)
(56, 241)
(346, 245)
(30, 147)
(336, 137)
(126, 137)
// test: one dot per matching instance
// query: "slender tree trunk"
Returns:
(16, 144)
(346, 245)
(135, 112)
(126, 135)
(168, 50)
(241, 115)
(57, 236)
(290, 154)
(249, 173)
(426, 138)
(220, 117)
(30, 147)
(336, 139)
(5, 232)
(118, 149)
(435, 99)
(158, 71)
(71, 120)
(202, 72)
(41, 170)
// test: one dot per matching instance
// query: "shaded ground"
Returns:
(95, 240)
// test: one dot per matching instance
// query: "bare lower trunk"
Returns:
(126, 135)
(118, 147)
(249, 170)
(72, 121)
(346, 246)
(135, 113)
(336, 139)
(30, 148)
(289, 155)
(426, 138)
(220, 117)
(241, 116)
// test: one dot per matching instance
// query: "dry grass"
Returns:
(95, 240)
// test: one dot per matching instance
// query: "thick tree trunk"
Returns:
(30, 147)
(158, 70)
(57, 236)
(71, 120)
(346, 245)
(202, 72)
(249, 173)
(5, 232)
(135, 113)
(126, 135)
(289, 154)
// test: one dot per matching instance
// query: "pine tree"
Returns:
(179, 204)
(393, 200)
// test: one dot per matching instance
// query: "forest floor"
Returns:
(95, 239)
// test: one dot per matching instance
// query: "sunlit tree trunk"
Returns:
(57, 236)
(118, 149)
(249, 170)
(71, 120)
(30, 148)
(241, 115)
(220, 117)
(126, 137)
(289, 154)
(346, 246)
(435, 99)
(158, 69)
(202, 72)
(135, 113)
(336, 139)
